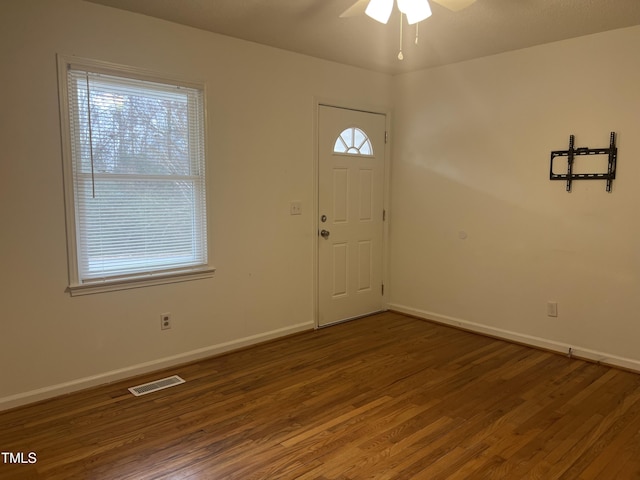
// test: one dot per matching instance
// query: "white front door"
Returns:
(350, 215)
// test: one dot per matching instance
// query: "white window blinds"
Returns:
(138, 163)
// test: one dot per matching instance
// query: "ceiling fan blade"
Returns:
(454, 5)
(356, 9)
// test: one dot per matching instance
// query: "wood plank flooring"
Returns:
(384, 397)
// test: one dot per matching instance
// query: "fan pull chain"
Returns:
(400, 55)
(417, 30)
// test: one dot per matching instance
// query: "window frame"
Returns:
(147, 278)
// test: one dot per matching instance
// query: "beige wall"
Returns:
(471, 147)
(260, 106)
(471, 154)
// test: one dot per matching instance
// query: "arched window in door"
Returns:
(353, 141)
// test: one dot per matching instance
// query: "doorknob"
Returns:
(325, 234)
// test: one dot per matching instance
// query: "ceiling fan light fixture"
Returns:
(379, 10)
(415, 10)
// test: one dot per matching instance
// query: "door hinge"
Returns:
(382, 289)
(384, 215)
(386, 137)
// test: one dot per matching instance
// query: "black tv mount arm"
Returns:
(572, 152)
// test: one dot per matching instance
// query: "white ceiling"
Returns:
(313, 27)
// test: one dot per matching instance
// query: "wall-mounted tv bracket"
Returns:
(571, 154)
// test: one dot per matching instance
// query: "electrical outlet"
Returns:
(552, 309)
(165, 321)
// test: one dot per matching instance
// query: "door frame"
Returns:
(317, 102)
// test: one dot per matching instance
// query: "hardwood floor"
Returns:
(385, 397)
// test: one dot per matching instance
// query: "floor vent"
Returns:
(156, 385)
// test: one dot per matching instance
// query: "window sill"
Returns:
(138, 282)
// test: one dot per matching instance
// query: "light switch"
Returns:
(296, 208)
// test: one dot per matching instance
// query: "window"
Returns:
(134, 177)
(353, 141)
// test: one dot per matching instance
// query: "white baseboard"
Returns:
(51, 391)
(576, 351)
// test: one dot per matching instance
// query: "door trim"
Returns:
(317, 103)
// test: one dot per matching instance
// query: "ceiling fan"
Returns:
(414, 10)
